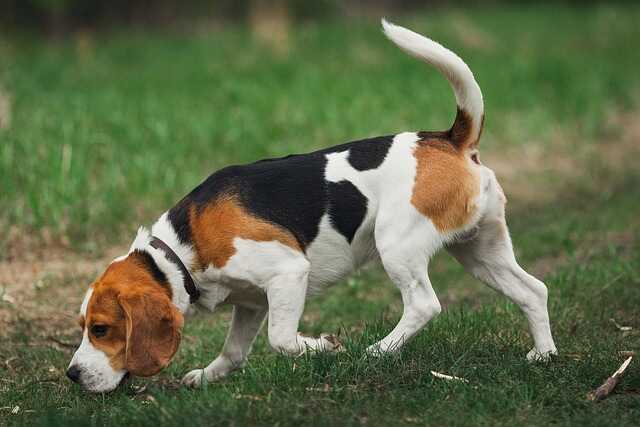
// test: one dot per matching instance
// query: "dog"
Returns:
(265, 235)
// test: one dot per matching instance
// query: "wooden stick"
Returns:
(607, 387)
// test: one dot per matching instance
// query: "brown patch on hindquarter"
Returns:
(445, 185)
(215, 227)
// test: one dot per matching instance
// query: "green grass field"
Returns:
(107, 131)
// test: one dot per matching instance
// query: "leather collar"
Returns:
(189, 284)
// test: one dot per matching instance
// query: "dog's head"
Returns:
(129, 325)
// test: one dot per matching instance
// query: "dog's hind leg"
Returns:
(489, 257)
(245, 325)
(404, 256)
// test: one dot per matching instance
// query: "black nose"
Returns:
(73, 373)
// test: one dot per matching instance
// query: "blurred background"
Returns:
(111, 111)
(62, 17)
(59, 17)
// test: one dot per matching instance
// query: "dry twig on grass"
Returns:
(620, 327)
(607, 387)
(448, 377)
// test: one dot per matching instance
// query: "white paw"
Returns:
(195, 378)
(540, 356)
(326, 342)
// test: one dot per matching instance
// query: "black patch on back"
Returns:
(149, 263)
(369, 153)
(289, 191)
(347, 207)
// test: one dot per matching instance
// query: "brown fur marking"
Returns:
(124, 281)
(445, 185)
(222, 221)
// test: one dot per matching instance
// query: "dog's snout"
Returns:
(74, 373)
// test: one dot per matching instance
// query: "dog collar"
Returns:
(189, 283)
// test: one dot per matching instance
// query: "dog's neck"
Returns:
(163, 230)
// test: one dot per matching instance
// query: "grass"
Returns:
(108, 131)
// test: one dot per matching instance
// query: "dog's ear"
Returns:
(154, 328)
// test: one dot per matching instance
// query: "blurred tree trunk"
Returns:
(270, 21)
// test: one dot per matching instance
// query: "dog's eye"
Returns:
(99, 330)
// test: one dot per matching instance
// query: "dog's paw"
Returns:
(326, 343)
(331, 343)
(195, 378)
(540, 356)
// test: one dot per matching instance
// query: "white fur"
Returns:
(332, 258)
(465, 87)
(85, 301)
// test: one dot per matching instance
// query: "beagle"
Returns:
(265, 235)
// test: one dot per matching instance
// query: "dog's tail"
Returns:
(467, 127)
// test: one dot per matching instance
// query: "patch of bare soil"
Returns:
(536, 173)
(44, 292)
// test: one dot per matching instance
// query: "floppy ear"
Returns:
(153, 332)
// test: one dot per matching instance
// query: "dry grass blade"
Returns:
(448, 377)
(620, 327)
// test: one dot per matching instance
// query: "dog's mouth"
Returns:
(91, 388)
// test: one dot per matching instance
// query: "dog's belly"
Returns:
(332, 257)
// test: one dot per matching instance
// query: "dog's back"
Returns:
(332, 198)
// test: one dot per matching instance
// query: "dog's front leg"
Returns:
(245, 325)
(286, 294)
